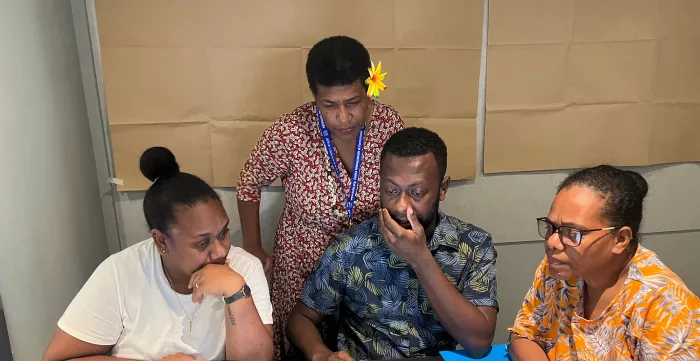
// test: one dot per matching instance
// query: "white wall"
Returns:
(506, 205)
(53, 233)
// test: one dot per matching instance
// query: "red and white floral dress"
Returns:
(314, 211)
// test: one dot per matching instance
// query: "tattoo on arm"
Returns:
(230, 316)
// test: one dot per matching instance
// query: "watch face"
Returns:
(246, 291)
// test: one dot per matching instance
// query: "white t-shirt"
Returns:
(128, 303)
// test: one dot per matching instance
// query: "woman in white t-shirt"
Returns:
(185, 294)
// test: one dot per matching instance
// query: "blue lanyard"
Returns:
(359, 145)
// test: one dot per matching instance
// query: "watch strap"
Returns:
(244, 292)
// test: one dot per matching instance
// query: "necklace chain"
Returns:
(177, 297)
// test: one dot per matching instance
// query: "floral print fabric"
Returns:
(653, 317)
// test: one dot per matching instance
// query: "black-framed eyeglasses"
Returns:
(569, 236)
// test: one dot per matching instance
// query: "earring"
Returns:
(161, 250)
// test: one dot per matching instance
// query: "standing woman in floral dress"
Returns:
(326, 153)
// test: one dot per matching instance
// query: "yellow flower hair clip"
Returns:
(375, 80)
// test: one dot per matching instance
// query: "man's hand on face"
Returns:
(409, 244)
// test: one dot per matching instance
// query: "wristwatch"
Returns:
(243, 293)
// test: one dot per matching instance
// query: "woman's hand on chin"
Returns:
(217, 280)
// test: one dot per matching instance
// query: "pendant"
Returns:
(190, 325)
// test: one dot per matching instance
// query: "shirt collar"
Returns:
(445, 234)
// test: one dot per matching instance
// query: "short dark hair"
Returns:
(170, 188)
(623, 190)
(414, 142)
(337, 60)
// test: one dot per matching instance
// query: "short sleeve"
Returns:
(389, 121)
(396, 123)
(268, 161)
(252, 271)
(531, 315)
(479, 286)
(325, 287)
(94, 315)
(671, 330)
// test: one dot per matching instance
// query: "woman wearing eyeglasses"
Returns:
(598, 294)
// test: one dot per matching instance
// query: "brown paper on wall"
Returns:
(574, 83)
(675, 128)
(436, 83)
(252, 83)
(189, 142)
(228, 141)
(153, 85)
(459, 136)
(551, 138)
(173, 68)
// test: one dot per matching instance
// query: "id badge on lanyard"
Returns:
(355, 176)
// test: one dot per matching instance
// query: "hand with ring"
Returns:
(217, 280)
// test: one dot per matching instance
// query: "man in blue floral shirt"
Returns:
(410, 282)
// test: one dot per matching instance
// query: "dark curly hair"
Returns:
(337, 60)
(623, 190)
(170, 189)
(414, 142)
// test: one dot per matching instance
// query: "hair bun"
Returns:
(641, 183)
(158, 163)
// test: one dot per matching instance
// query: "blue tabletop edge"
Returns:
(497, 353)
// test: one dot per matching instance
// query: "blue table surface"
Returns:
(497, 353)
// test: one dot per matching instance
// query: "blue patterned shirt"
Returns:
(384, 311)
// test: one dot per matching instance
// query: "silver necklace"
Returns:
(177, 297)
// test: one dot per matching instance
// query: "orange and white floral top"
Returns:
(653, 317)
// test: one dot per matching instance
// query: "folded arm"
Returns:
(246, 336)
(322, 296)
(525, 342)
(64, 347)
(473, 327)
(249, 320)
(523, 349)
(303, 333)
